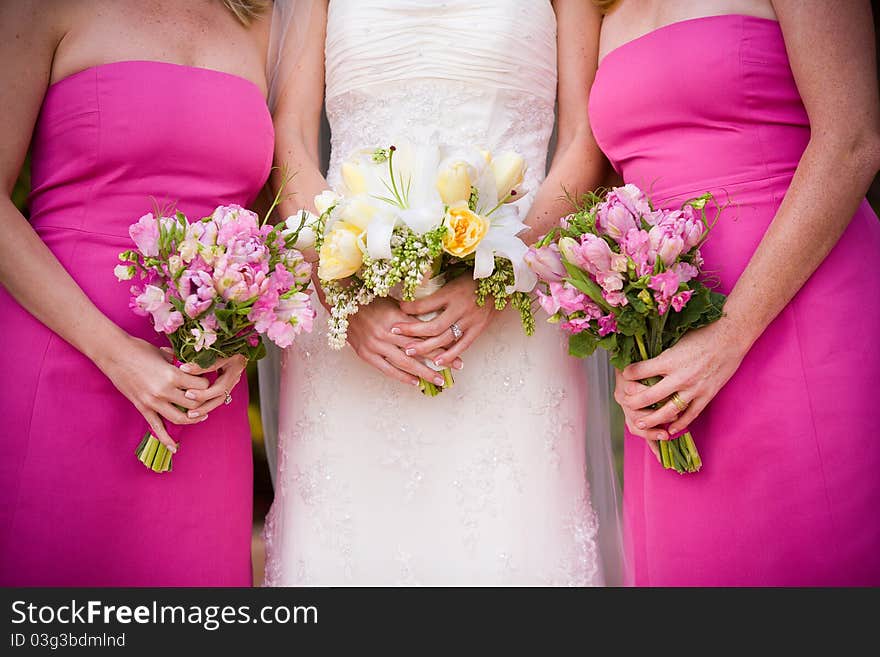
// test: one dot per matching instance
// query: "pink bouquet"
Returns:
(214, 286)
(621, 275)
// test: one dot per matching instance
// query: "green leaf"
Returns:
(585, 284)
(625, 354)
(205, 358)
(581, 345)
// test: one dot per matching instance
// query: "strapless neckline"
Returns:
(688, 22)
(171, 66)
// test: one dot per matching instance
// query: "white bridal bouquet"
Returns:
(407, 219)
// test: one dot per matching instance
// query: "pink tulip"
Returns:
(614, 219)
(546, 263)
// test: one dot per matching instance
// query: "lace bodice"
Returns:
(459, 73)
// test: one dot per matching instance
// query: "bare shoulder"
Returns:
(34, 23)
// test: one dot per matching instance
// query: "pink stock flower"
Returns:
(576, 325)
(607, 324)
(236, 281)
(569, 298)
(616, 299)
(279, 315)
(546, 263)
(253, 339)
(680, 300)
(548, 303)
(685, 271)
(666, 283)
(205, 335)
(666, 286)
(165, 318)
(611, 281)
(145, 234)
(193, 306)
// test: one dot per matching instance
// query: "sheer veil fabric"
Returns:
(550, 414)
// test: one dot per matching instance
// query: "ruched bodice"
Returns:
(733, 113)
(460, 73)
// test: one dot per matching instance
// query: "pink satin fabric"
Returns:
(78, 508)
(789, 492)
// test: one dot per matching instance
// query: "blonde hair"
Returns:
(605, 5)
(245, 10)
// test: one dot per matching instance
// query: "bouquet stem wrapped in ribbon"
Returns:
(624, 276)
(407, 216)
(214, 287)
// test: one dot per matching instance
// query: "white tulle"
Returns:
(486, 484)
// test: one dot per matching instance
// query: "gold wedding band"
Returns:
(680, 404)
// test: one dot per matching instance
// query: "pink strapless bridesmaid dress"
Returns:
(78, 508)
(789, 492)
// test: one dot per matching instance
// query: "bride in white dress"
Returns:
(487, 483)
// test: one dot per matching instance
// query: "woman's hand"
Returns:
(229, 371)
(143, 374)
(370, 335)
(696, 369)
(457, 304)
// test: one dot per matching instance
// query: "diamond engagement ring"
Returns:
(228, 399)
(456, 332)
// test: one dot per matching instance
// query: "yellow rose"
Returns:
(341, 254)
(464, 231)
(508, 169)
(354, 179)
(454, 183)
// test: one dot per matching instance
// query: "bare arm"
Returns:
(28, 269)
(297, 116)
(578, 165)
(831, 49)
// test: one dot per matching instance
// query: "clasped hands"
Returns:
(390, 336)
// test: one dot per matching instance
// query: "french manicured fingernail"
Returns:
(458, 365)
(173, 450)
(410, 352)
(203, 419)
(439, 380)
(193, 414)
(395, 331)
(416, 382)
(189, 394)
(187, 367)
(438, 362)
(660, 436)
(640, 425)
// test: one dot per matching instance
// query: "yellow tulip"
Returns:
(341, 254)
(454, 183)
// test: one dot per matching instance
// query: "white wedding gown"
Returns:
(486, 483)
